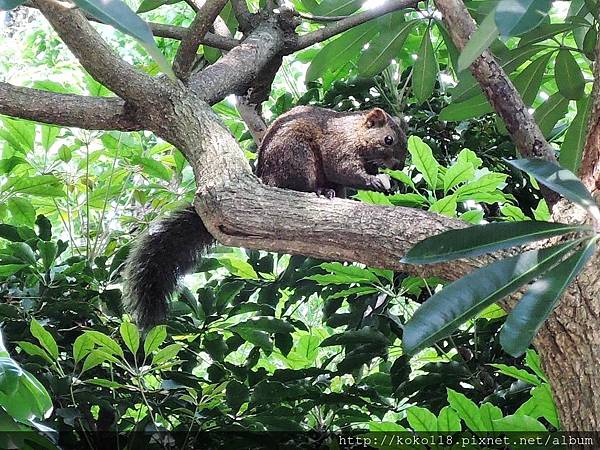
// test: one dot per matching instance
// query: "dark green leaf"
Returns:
(558, 179)
(541, 297)
(568, 75)
(473, 107)
(383, 49)
(571, 149)
(515, 17)
(236, 394)
(425, 70)
(446, 310)
(479, 41)
(528, 82)
(479, 239)
(48, 251)
(551, 111)
(5, 5)
(365, 335)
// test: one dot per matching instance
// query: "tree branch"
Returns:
(589, 170)
(238, 70)
(242, 15)
(69, 110)
(94, 54)
(186, 53)
(328, 31)
(498, 89)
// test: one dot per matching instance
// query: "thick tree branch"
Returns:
(239, 69)
(328, 31)
(590, 162)
(186, 53)
(94, 54)
(69, 110)
(498, 89)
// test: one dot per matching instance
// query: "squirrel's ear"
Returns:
(376, 118)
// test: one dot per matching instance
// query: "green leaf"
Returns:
(236, 394)
(20, 134)
(485, 184)
(517, 374)
(238, 267)
(44, 338)
(35, 350)
(568, 75)
(425, 70)
(366, 335)
(589, 43)
(559, 180)
(338, 52)
(7, 270)
(22, 211)
(49, 135)
(446, 206)
(421, 419)
(131, 336)
(106, 343)
(448, 420)
(337, 7)
(23, 252)
(541, 404)
(41, 185)
(472, 107)
(149, 5)
(6, 5)
(515, 17)
(466, 410)
(353, 274)
(155, 337)
(541, 297)
(385, 47)
(166, 354)
(422, 158)
(528, 82)
(154, 168)
(95, 358)
(489, 413)
(545, 31)
(48, 251)
(267, 324)
(551, 111)
(486, 33)
(82, 346)
(518, 423)
(479, 239)
(446, 310)
(457, 173)
(534, 363)
(571, 149)
(118, 15)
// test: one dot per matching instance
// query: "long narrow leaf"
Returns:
(560, 180)
(479, 239)
(446, 310)
(540, 299)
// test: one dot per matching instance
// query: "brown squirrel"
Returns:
(321, 150)
(307, 149)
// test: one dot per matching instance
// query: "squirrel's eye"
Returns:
(388, 140)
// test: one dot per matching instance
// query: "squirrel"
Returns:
(307, 149)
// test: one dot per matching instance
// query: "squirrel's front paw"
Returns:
(326, 192)
(380, 182)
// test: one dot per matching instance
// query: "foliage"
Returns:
(275, 342)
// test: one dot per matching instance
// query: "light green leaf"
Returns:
(541, 297)
(421, 419)
(6, 270)
(457, 173)
(446, 206)
(466, 410)
(48, 250)
(44, 338)
(166, 354)
(22, 211)
(422, 158)
(518, 374)
(82, 346)
(131, 336)
(238, 267)
(106, 343)
(448, 420)
(35, 350)
(155, 337)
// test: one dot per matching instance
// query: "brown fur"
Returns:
(319, 150)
